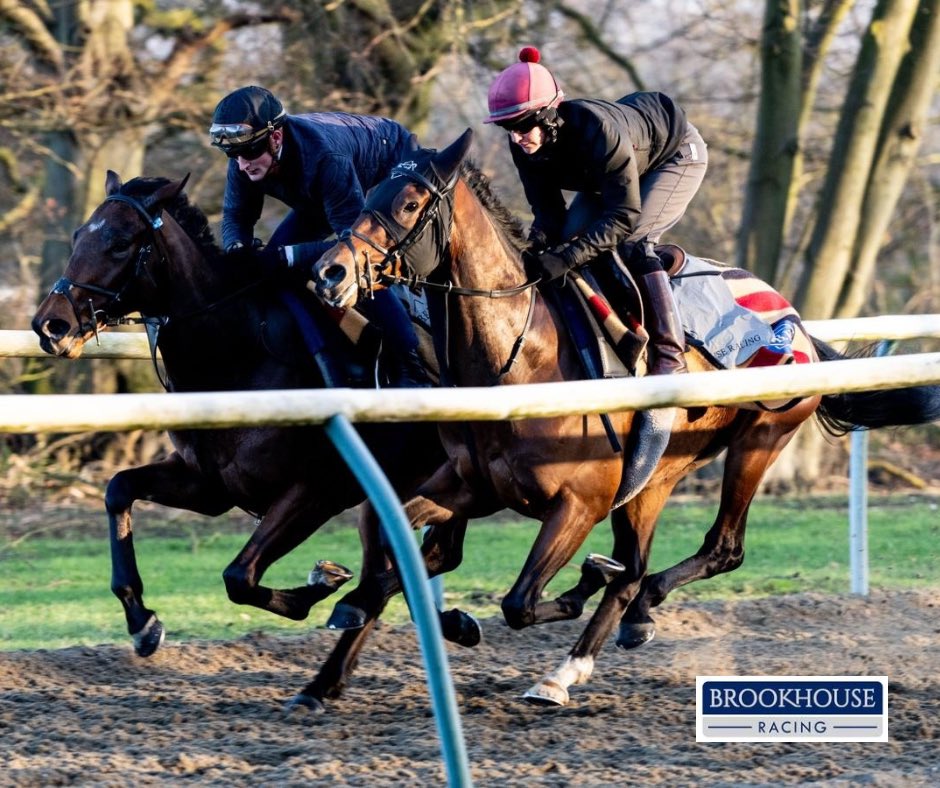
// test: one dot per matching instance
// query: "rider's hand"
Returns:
(271, 260)
(553, 265)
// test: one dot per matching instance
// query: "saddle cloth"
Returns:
(735, 319)
(730, 316)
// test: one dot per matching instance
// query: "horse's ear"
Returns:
(112, 183)
(167, 193)
(448, 161)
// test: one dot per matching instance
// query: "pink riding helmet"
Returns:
(522, 88)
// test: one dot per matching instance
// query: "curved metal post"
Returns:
(417, 592)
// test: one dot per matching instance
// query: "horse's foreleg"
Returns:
(563, 531)
(442, 549)
(334, 674)
(596, 572)
(749, 456)
(358, 611)
(169, 482)
(631, 546)
(285, 525)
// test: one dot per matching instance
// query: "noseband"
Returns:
(436, 217)
(440, 211)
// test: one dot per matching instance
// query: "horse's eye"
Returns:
(412, 206)
(121, 247)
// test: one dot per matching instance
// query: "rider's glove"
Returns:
(553, 265)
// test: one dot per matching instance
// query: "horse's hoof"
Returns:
(346, 616)
(546, 693)
(634, 635)
(304, 704)
(608, 567)
(149, 638)
(461, 628)
(329, 574)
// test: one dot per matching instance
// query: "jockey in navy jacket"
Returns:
(320, 165)
(327, 162)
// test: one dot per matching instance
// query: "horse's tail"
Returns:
(842, 413)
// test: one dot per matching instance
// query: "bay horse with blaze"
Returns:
(435, 222)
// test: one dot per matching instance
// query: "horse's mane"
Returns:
(190, 217)
(480, 185)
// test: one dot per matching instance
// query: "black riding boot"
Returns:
(667, 339)
(404, 369)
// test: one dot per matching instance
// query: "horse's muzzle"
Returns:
(334, 287)
(57, 338)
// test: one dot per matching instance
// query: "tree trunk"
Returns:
(828, 259)
(902, 134)
(777, 141)
(819, 38)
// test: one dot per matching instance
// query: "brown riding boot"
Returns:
(667, 339)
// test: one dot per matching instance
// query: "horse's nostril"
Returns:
(334, 273)
(55, 329)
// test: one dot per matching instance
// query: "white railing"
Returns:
(84, 412)
(80, 413)
(133, 344)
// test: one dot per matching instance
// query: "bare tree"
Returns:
(828, 258)
(902, 132)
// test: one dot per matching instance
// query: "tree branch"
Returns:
(593, 35)
(34, 31)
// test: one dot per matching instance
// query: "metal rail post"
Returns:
(858, 501)
(417, 592)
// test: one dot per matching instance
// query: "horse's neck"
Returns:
(187, 283)
(210, 326)
(483, 330)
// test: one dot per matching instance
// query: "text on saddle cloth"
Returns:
(735, 319)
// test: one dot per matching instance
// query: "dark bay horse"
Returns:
(436, 221)
(146, 249)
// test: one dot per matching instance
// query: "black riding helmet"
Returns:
(243, 120)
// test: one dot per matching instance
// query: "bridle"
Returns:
(155, 250)
(64, 285)
(438, 211)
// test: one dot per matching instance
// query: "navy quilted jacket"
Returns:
(328, 162)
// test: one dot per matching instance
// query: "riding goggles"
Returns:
(239, 139)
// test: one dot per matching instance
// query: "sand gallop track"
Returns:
(210, 713)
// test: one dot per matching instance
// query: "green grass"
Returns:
(55, 592)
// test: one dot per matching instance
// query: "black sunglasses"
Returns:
(521, 126)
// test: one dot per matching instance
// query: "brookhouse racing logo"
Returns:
(791, 708)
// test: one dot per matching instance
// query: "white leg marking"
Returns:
(553, 689)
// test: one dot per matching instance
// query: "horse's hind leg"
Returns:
(749, 456)
(169, 482)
